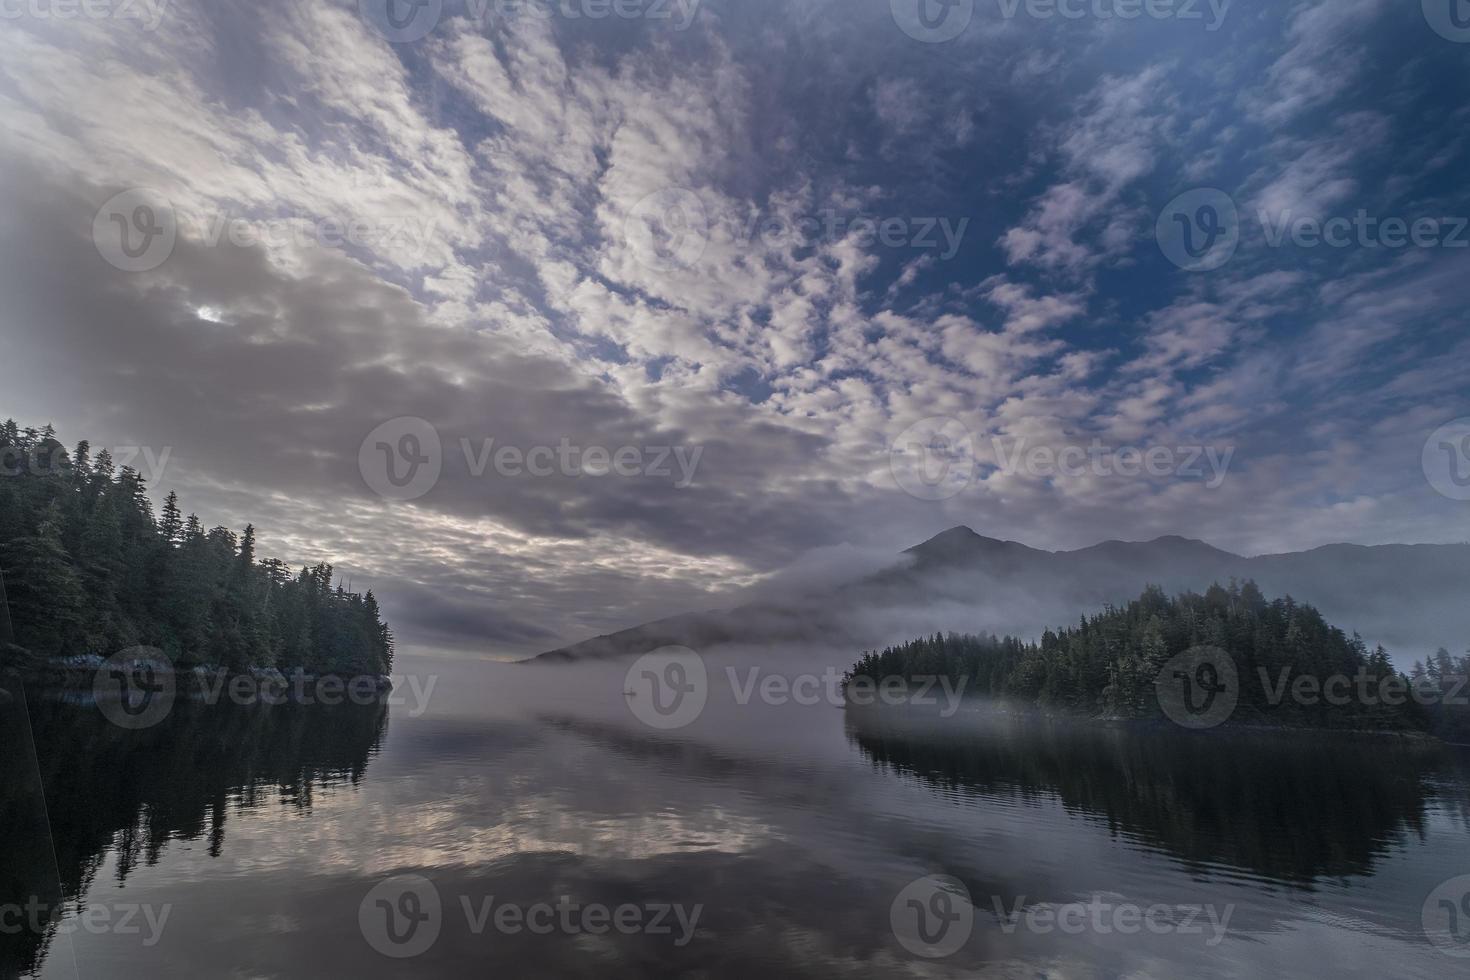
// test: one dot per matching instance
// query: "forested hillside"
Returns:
(89, 569)
(1107, 664)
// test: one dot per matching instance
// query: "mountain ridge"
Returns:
(1410, 597)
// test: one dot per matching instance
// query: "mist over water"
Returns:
(792, 828)
(1407, 598)
(1022, 357)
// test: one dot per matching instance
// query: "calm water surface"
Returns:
(794, 831)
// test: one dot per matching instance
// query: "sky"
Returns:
(543, 320)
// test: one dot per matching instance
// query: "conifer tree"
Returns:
(171, 524)
(90, 571)
(45, 592)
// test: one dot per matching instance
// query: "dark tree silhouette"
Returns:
(1107, 664)
(89, 570)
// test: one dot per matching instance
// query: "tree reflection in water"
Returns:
(1290, 806)
(128, 793)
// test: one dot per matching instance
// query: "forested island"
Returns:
(1285, 654)
(90, 571)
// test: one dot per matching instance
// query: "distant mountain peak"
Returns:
(955, 534)
(1410, 597)
(960, 543)
(958, 537)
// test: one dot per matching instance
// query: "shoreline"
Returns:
(201, 681)
(1145, 725)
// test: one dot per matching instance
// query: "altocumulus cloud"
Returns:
(492, 172)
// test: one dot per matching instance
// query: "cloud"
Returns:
(503, 172)
(1112, 140)
(1327, 48)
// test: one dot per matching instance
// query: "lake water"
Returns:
(522, 821)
